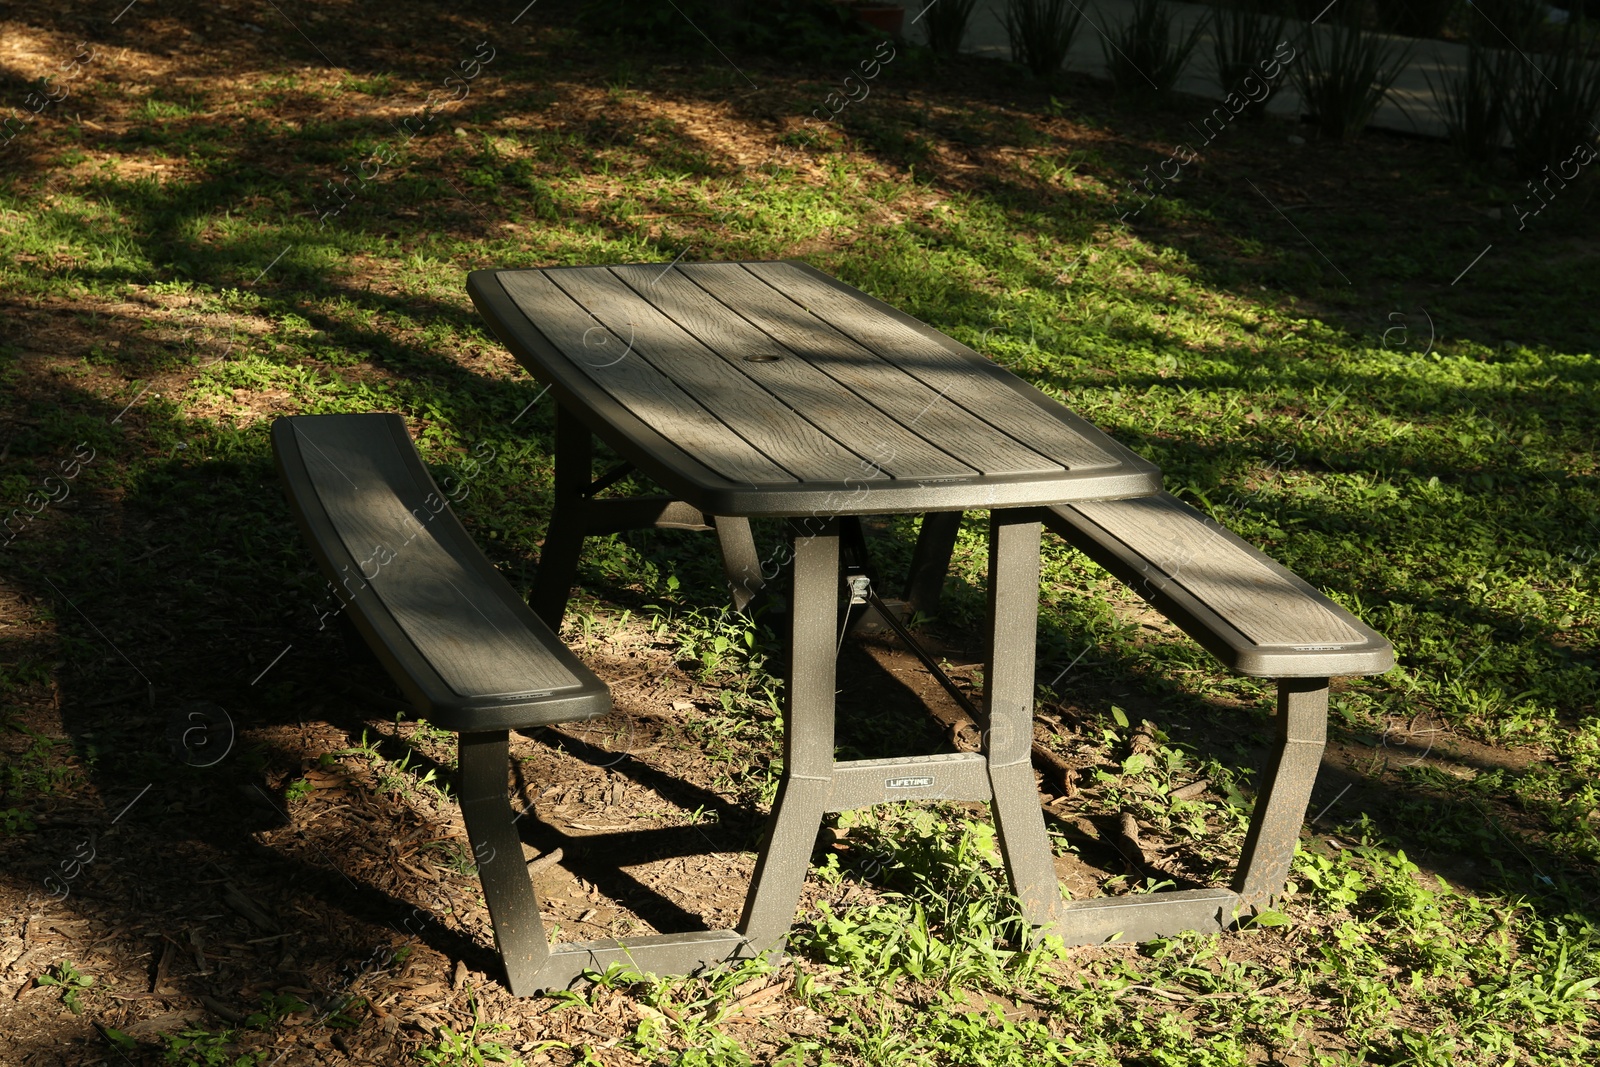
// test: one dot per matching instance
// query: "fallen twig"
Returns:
(549, 859)
(1057, 771)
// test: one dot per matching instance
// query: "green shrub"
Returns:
(1243, 36)
(1505, 23)
(1144, 55)
(1344, 73)
(1473, 103)
(1554, 102)
(1548, 101)
(1041, 32)
(806, 29)
(946, 24)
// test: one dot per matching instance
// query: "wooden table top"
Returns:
(769, 388)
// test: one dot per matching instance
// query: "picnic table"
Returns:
(770, 390)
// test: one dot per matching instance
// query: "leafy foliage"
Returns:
(798, 29)
(1473, 103)
(1344, 73)
(1553, 103)
(1041, 32)
(946, 24)
(1244, 35)
(1144, 55)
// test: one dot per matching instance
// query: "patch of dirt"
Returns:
(208, 898)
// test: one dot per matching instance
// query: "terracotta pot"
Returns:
(886, 17)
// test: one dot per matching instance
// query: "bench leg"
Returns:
(507, 889)
(1302, 730)
(531, 963)
(1269, 845)
(563, 542)
(807, 742)
(1008, 683)
(930, 562)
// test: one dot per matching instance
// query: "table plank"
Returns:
(650, 395)
(882, 384)
(857, 425)
(720, 385)
(1253, 597)
(942, 364)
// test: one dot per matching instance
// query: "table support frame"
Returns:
(803, 796)
(1291, 770)
(1008, 734)
(814, 783)
(824, 785)
(578, 514)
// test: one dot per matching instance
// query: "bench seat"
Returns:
(458, 640)
(1244, 607)
(467, 652)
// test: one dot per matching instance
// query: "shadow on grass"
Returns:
(176, 565)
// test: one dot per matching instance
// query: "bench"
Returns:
(461, 644)
(1257, 618)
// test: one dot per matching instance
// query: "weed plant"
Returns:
(72, 983)
(946, 24)
(1245, 34)
(1554, 102)
(466, 1049)
(1144, 56)
(1041, 32)
(947, 917)
(1473, 103)
(1345, 72)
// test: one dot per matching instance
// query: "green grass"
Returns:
(1437, 479)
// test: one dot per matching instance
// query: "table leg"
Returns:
(930, 562)
(807, 741)
(740, 561)
(563, 542)
(1008, 681)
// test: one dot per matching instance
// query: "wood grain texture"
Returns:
(964, 381)
(1229, 577)
(899, 396)
(437, 595)
(632, 382)
(719, 384)
(857, 425)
